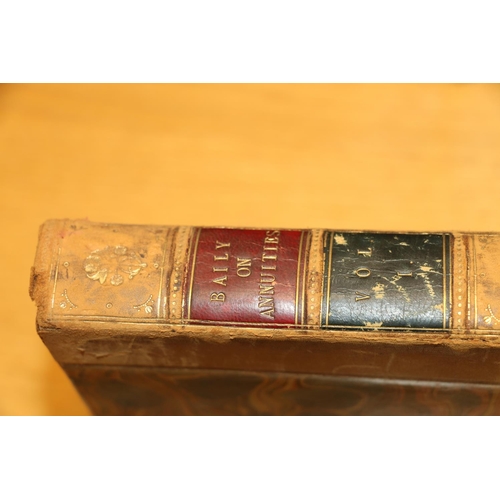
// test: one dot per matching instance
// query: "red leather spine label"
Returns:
(246, 276)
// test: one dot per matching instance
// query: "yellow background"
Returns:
(386, 157)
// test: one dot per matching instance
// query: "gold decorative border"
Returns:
(474, 261)
(299, 305)
(179, 256)
(315, 278)
(58, 258)
(192, 255)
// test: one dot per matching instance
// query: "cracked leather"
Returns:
(386, 280)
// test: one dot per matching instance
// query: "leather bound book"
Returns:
(161, 320)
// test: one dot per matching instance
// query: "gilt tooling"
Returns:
(414, 306)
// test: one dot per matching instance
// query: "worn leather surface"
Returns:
(386, 280)
(431, 357)
(110, 295)
(246, 276)
(135, 391)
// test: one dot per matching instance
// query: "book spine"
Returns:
(268, 278)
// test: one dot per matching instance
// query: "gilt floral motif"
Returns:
(490, 319)
(148, 305)
(115, 263)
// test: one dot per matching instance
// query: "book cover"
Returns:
(202, 321)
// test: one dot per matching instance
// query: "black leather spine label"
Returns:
(387, 281)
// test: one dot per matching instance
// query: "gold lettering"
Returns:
(405, 273)
(219, 245)
(221, 257)
(363, 272)
(243, 272)
(268, 312)
(361, 296)
(220, 269)
(271, 234)
(268, 257)
(367, 253)
(243, 267)
(266, 290)
(221, 281)
(217, 297)
(266, 302)
(267, 278)
(270, 241)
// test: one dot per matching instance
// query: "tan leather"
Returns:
(112, 295)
